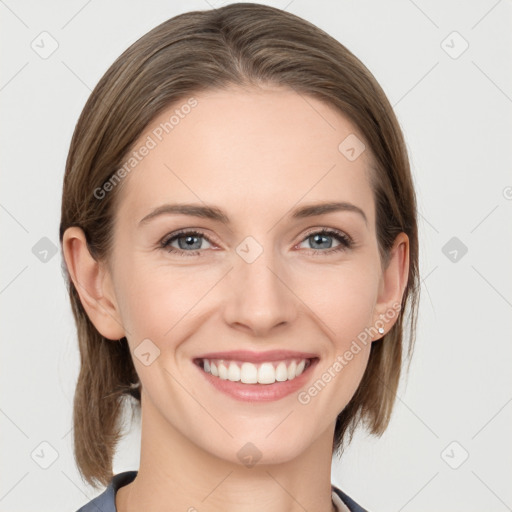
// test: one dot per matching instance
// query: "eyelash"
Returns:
(345, 241)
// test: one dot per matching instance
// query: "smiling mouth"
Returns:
(268, 372)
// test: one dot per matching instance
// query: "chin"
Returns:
(249, 450)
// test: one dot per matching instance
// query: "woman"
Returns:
(240, 242)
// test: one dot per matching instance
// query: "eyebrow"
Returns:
(215, 213)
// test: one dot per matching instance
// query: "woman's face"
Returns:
(257, 278)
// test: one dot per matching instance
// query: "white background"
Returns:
(456, 115)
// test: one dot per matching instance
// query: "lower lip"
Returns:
(259, 392)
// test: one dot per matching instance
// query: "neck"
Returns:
(176, 474)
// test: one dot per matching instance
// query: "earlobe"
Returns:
(93, 284)
(392, 284)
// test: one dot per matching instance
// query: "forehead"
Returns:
(255, 150)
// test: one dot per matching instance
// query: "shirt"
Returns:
(106, 501)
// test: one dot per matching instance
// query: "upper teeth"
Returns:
(249, 373)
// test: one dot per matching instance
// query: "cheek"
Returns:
(343, 298)
(344, 307)
(158, 305)
(156, 299)
(351, 313)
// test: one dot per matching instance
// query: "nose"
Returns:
(259, 295)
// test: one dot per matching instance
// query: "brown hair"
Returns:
(240, 44)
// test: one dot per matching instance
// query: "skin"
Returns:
(256, 154)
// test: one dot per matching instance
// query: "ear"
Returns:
(93, 283)
(392, 285)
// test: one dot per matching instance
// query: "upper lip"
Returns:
(258, 357)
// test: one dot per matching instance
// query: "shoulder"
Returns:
(348, 501)
(106, 501)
